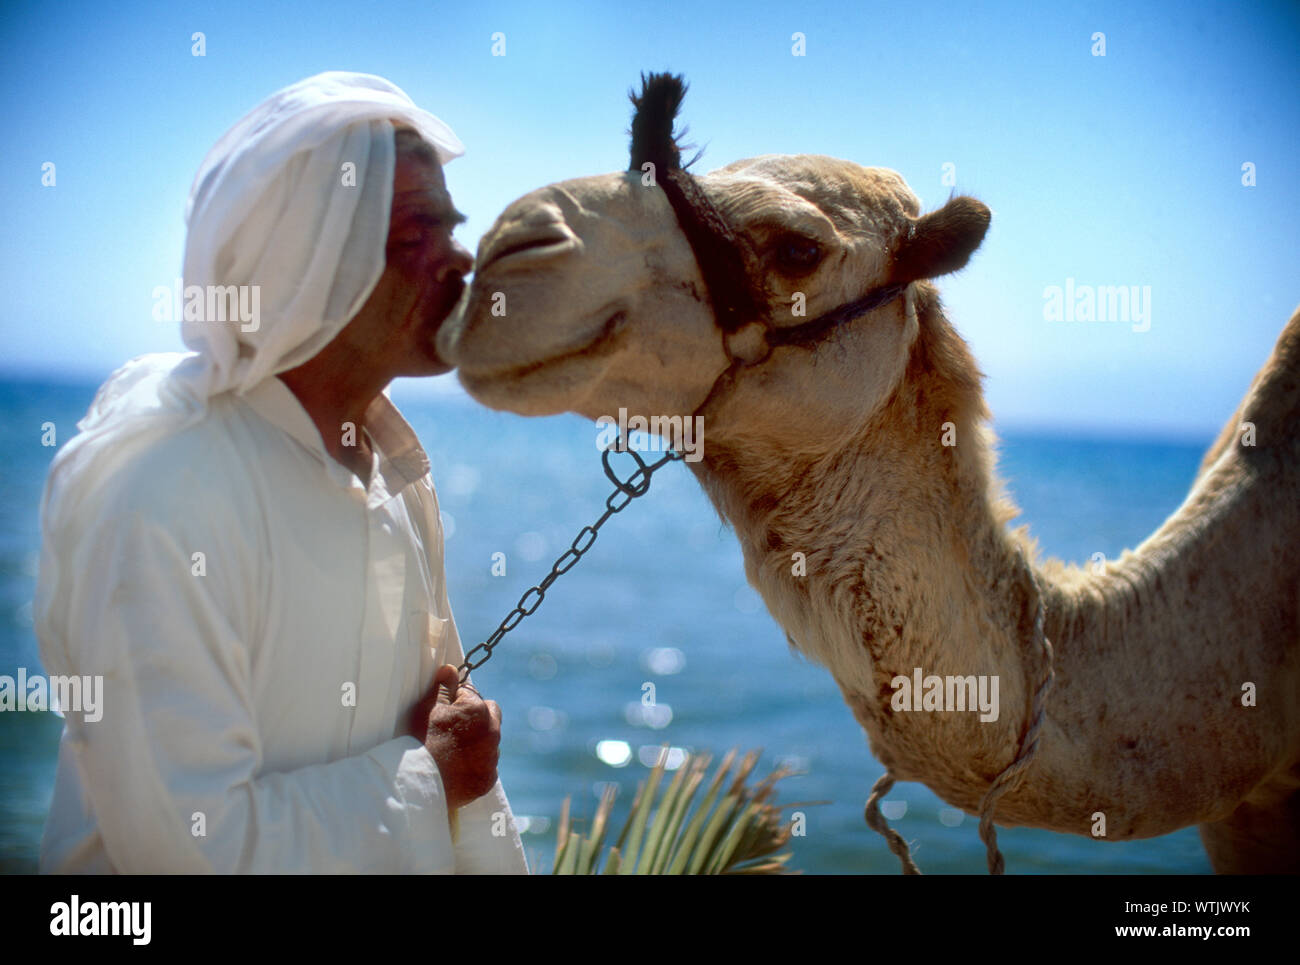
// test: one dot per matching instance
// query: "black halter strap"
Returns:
(814, 331)
(723, 257)
(731, 271)
(730, 275)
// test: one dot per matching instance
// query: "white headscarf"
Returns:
(276, 205)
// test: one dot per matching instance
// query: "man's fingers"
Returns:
(468, 694)
(447, 680)
(464, 739)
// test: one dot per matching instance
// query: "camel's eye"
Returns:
(797, 255)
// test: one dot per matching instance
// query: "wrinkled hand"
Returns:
(463, 733)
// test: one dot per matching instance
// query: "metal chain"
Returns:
(626, 490)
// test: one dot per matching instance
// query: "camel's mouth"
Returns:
(499, 339)
(591, 344)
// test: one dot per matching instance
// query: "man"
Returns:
(244, 542)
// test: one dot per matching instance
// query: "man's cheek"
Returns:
(410, 274)
(409, 262)
(419, 271)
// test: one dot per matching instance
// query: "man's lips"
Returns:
(454, 291)
(438, 311)
(442, 308)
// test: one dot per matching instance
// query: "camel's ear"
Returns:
(941, 241)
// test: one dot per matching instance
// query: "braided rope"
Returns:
(876, 821)
(1010, 776)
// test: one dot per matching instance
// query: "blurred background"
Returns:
(1168, 163)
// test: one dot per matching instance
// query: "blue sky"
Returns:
(1117, 170)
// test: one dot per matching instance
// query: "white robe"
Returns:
(230, 740)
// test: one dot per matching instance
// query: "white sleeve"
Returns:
(171, 769)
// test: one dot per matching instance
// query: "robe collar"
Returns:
(400, 460)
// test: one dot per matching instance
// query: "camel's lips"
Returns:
(590, 343)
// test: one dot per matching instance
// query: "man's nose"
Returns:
(459, 261)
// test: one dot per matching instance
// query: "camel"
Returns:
(867, 455)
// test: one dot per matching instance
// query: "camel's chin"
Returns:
(552, 379)
(531, 389)
(507, 396)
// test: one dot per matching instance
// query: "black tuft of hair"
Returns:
(656, 109)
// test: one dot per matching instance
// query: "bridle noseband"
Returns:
(731, 272)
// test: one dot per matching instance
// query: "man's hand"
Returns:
(463, 733)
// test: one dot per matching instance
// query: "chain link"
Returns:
(625, 490)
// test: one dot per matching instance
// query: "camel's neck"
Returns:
(889, 557)
(885, 557)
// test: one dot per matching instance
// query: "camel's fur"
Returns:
(836, 453)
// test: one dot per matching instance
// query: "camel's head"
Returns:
(588, 296)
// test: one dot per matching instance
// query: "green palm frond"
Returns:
(733, 831)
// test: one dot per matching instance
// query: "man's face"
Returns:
(424, 272)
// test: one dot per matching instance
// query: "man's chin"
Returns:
(431, 342)
(442, 368)
(441, 324)
(426, 361)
